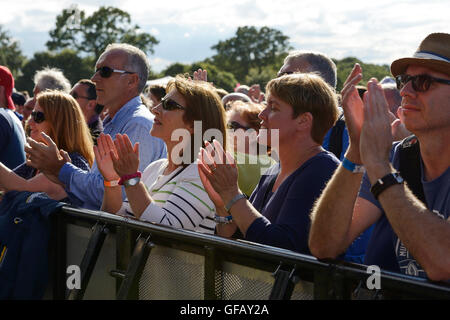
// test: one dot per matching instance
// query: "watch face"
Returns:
(132, 181)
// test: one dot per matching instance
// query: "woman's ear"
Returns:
(305, 120)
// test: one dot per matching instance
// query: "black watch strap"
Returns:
(382, 184)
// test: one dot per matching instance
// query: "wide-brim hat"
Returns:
(433, 53)
(7, 81)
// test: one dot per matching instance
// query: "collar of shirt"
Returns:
(123, 114)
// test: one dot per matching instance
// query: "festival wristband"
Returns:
(129, 176)
(223, 220)
(112, 183)
(353, 167)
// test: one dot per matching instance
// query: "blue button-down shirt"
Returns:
(85, 189)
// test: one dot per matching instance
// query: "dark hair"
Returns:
(91, 93)
(158, 91)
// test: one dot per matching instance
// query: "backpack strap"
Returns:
(335, 143)
(409, 156)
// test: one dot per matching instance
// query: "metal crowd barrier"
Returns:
(123, 258)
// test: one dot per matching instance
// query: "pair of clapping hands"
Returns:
(370, 123)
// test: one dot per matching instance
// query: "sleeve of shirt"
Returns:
(291, 229)
(85, 189)
(186, 207)
(5, 131)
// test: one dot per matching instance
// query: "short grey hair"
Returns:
(319, 63)
(51, 79)
(136, 62)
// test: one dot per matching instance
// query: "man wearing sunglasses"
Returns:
(85, 94)
(412, 231)
(120, 76)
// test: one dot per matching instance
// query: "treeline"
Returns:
(251, 56)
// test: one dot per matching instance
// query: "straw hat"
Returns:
(433, 53)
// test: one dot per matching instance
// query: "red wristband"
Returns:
(129, 176)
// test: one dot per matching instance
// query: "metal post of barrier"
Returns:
(89, 260)
(129, 288)
(284, 283)
(210, 273)
(59, 250)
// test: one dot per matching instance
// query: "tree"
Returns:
(345, 65)
(250, 48)
(10, 53)
(92, 34)
(73, 67)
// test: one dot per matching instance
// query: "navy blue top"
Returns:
(12, 139)
(384, 248)
(285, 222)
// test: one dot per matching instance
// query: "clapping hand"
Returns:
(103, 149)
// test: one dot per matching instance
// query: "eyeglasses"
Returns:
(420, 82)
(106, 72)
(37, 116)
(234, 125)
(76, 96)
(169, 104)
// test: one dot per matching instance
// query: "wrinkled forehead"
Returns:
(114, 58)
(295, 65)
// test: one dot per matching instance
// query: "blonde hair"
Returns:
(308, 92)
(68, 128)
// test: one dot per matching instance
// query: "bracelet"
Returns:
(112, 183)
(234, 200)
(223, 220)
(129, 176)
(385, 182)
(353, 167)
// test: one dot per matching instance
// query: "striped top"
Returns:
(181, 202)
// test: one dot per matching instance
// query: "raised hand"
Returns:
(220, 170)
(103, 149)
(126, 161)
(45, 157)
(353, 110)
(376, 136)
(201, 75)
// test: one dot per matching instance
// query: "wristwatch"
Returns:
(387, 181)
(131, 182)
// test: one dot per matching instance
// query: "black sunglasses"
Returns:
(76, 96)
(37, 116)
(106, 72)
(420, 82)
(234, 125)
(169, 104)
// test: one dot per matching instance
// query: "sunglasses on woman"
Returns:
(37, 116)
(106, 72)
(234, 125)
(169, 104)
(420, 83)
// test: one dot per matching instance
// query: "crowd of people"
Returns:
(361, 175)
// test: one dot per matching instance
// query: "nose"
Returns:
(156, 110)
(95, 77)
(263, 114)
(408, 90)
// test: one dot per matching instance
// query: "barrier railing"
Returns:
(123, 258)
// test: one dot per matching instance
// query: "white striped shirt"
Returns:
(181, 202)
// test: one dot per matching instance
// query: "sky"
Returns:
(377, 31)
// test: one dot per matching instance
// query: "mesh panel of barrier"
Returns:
(171, 274)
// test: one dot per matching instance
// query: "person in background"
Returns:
(85, 94)
(244, 123)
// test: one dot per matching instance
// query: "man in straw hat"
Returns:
(412, 234)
